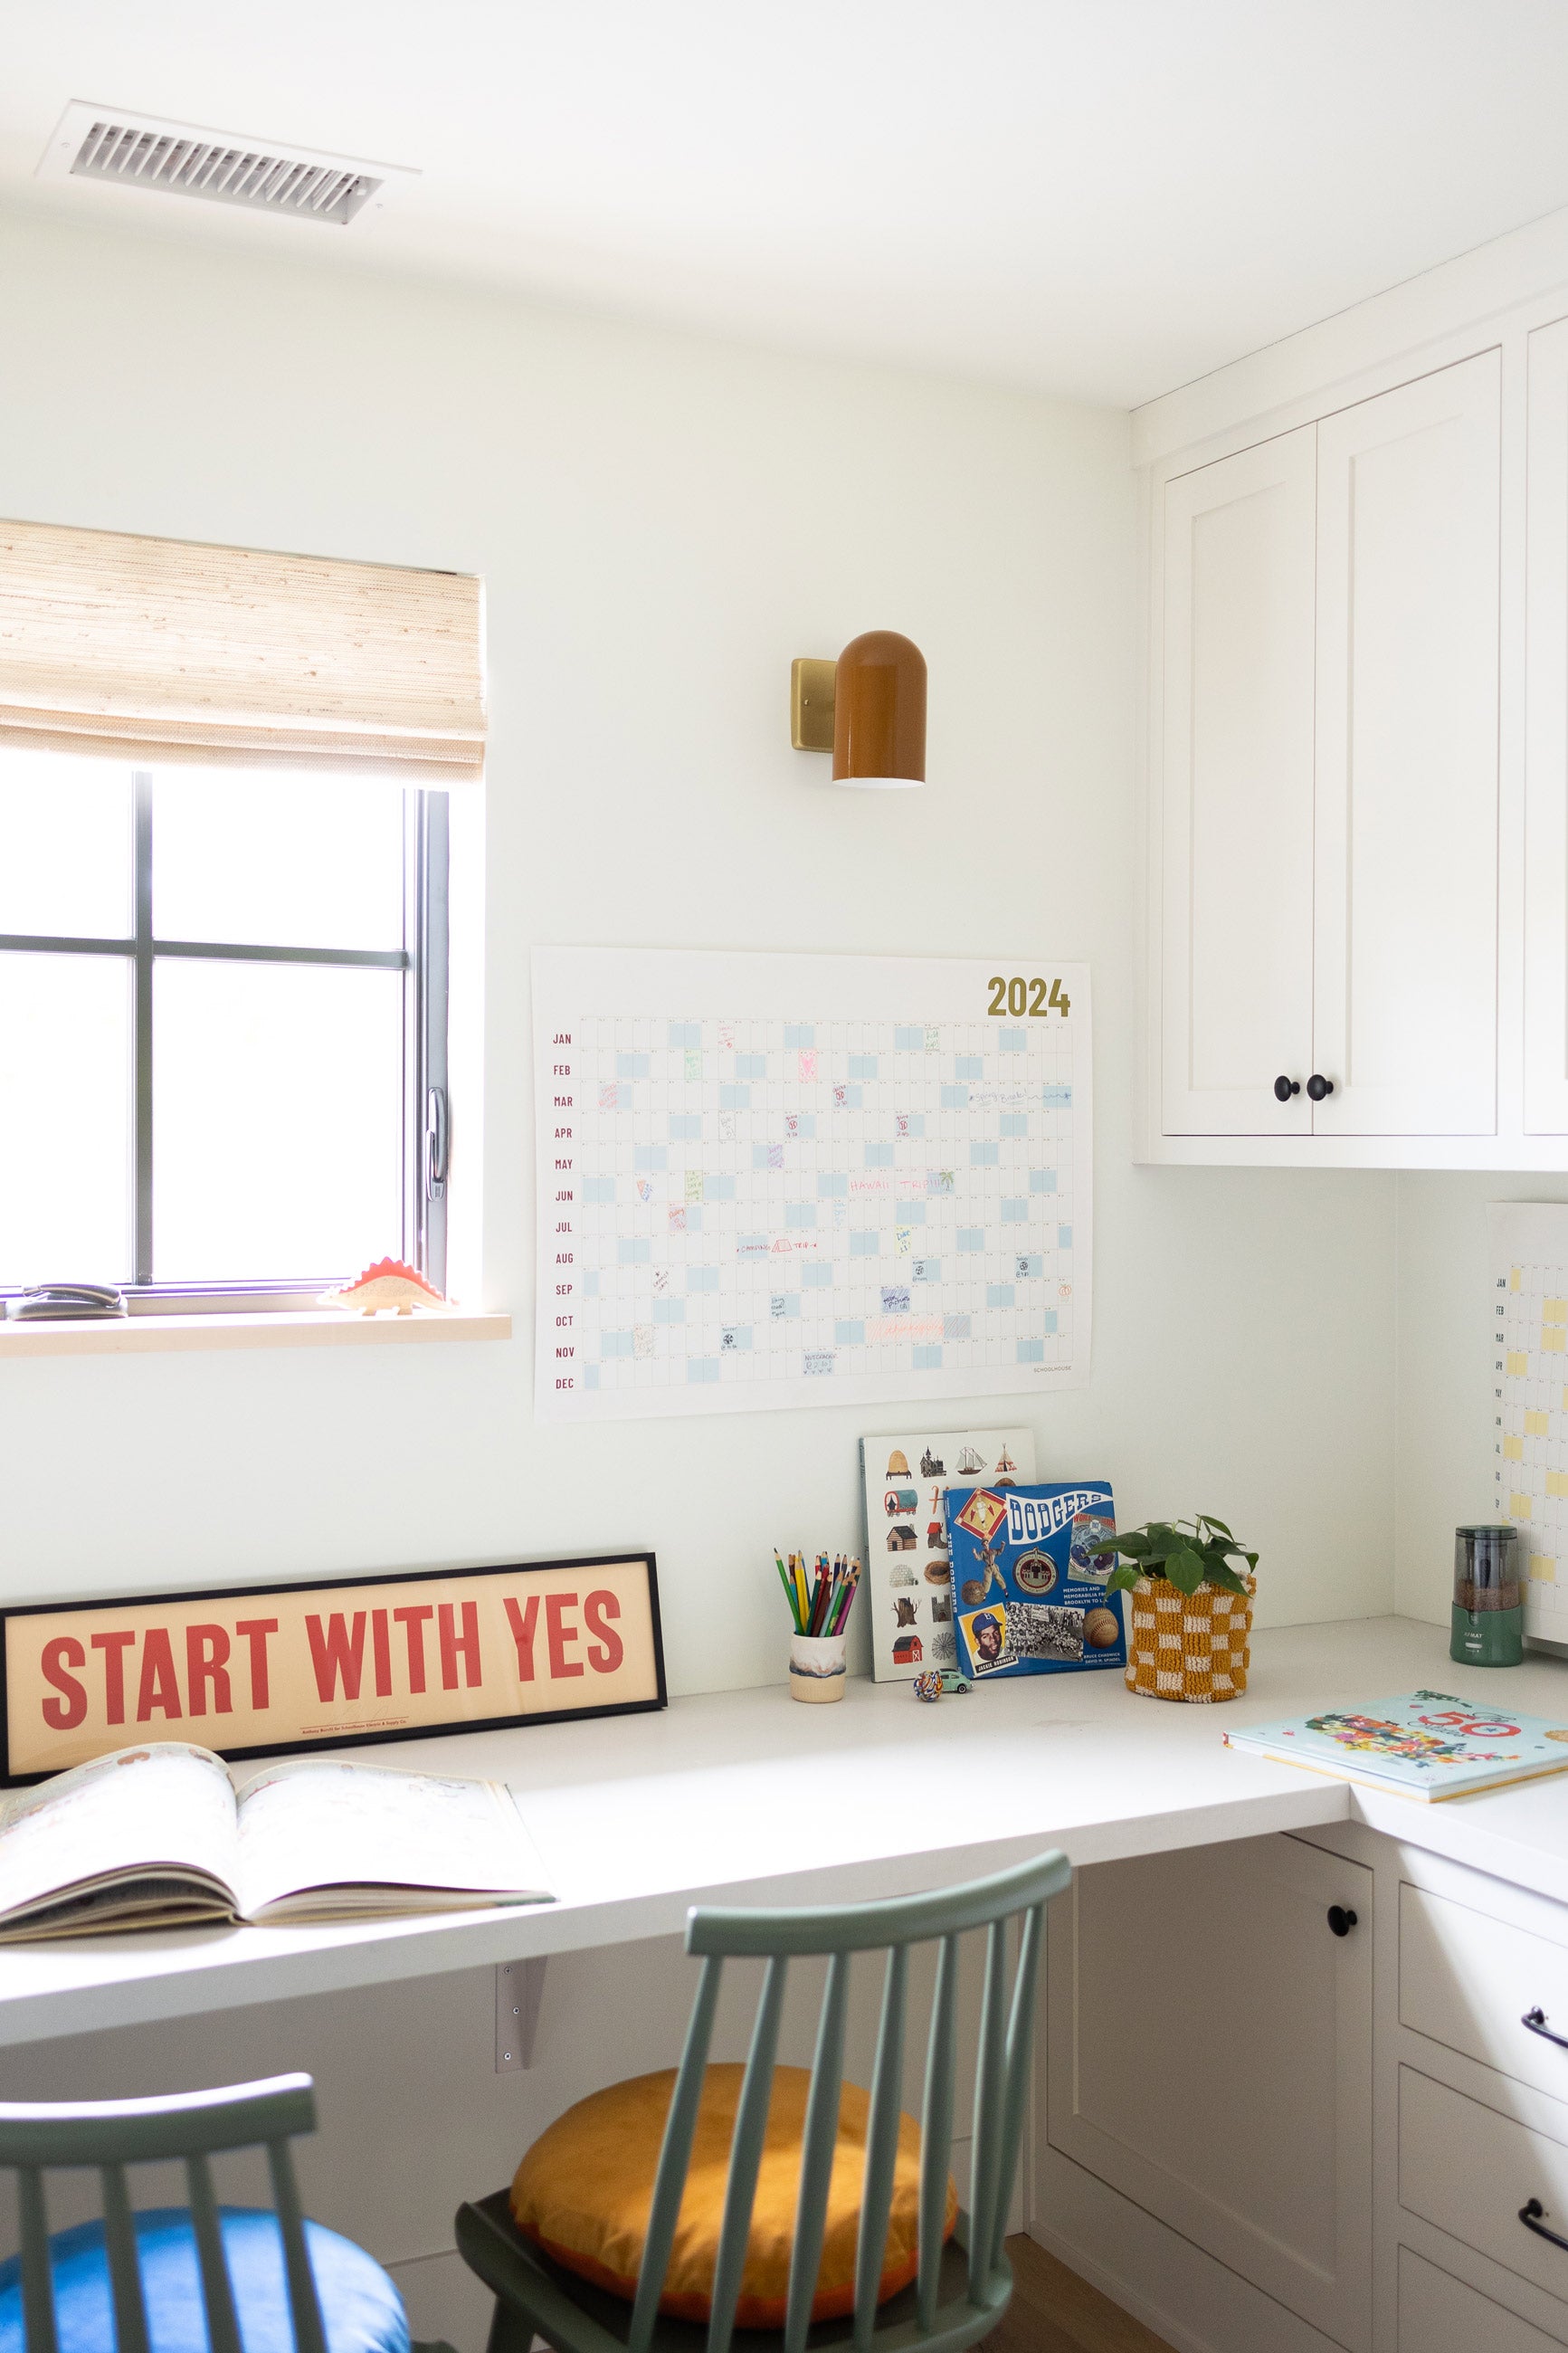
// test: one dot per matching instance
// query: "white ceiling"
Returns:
(1097, 197)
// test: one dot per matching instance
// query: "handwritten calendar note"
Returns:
(801, 1180)
(1529, 1395)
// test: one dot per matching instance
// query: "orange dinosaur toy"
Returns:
(387, 1284)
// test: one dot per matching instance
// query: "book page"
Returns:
(305, 1825)
(162, 1804)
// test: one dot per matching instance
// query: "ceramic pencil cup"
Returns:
(816, 1669)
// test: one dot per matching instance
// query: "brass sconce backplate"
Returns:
(811, 704)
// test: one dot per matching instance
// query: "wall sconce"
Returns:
(868, 709)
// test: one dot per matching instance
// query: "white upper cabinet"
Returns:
(1546, 740)
(1236, 844)
(1325, 816)
(1404, 1021)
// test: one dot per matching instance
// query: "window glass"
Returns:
(65, 1083)
(302, 862)
(277, 1093)
(65, 846)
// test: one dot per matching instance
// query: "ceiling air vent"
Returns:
(140, 151)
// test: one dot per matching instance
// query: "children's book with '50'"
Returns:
(1424, 1745)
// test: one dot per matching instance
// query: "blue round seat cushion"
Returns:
(361, 2309)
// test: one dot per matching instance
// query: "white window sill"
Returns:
(134, 1335)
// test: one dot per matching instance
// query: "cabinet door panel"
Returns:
(1237, 791)
(1438, 2313)
(1405, 963)
(1546, 740)
(1210, 2056)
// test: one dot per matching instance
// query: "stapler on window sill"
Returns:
(63, 1302)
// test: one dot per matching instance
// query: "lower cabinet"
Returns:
(1440, 2314)
(1262, 2136)
(1209, 2056)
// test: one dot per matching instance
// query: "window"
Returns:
(223, 1026)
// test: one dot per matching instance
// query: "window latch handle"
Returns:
(435, 1143)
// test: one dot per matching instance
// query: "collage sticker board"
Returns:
(909, 1588)
(805, 1180)
(1529, 1360)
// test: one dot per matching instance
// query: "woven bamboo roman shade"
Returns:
(160, 649)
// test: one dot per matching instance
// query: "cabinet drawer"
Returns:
(1469, 1981)
(1469, 2170)
(1438, 2313)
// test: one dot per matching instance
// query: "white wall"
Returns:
(1444, 1412)
(662, 524)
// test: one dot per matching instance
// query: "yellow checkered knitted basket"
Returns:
(1190, 1646)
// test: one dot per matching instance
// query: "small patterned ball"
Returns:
(929, 1685)
(1101, 1628)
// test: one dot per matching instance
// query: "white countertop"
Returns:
(747, 1797)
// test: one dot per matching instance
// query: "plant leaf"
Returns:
(1186, 1570)
(1209, 1521)
(1227, 1581)
(1122, 1580)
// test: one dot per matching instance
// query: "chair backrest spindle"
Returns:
(304, 2309)
(746, 2156)
(819, 2145)
(936, 2127)
(125, 2270)
(223, 2329)
(988, 2099)
(674, 2157)
(1019, 2038)
(37, 2283)
(882, 2144)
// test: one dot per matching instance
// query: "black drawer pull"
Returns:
(1536, 2021)
(1530, 2215)
(1341, 1921)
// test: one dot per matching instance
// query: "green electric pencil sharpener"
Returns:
(1488, 1628)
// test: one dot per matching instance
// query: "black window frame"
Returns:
(423, 960)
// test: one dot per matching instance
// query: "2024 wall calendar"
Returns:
(801, 1180)
(1529, 1365)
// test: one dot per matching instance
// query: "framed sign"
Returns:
(256, 1670)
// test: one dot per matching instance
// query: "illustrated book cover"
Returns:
(909, 1590)
(159, 1837)
(1029, 1570)
(1424, 1745)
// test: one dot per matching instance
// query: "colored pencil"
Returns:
(788, 1583)
(819, 1604)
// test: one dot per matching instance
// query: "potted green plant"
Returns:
(1191, 1613)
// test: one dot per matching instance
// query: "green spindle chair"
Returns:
(202, 2279)
(962, 2287)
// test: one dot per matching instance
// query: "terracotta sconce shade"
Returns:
(880, 712)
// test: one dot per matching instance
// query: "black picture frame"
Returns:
(350, 1737)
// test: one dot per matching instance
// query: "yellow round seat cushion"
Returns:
(583, 2193)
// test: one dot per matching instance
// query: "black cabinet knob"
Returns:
(1341, 1921)
(1285, 1088)
(1318, 1087)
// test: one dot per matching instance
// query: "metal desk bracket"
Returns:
(520, 1989)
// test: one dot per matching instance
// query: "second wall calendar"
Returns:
(806, 1180)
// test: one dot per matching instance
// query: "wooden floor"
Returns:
(1054, 2311)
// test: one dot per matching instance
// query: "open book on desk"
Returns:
(158, 1837)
